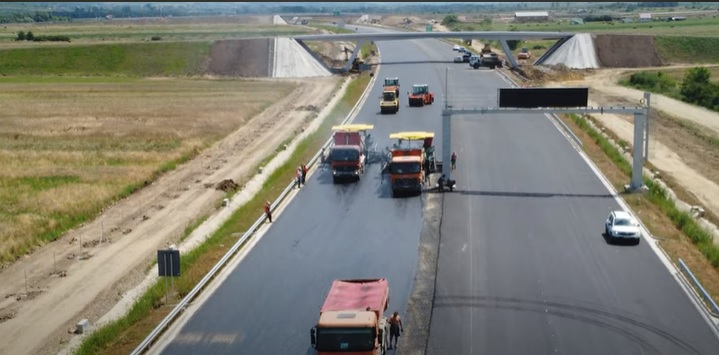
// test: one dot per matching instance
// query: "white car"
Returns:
(458, 59)
(620, 226)
(456, 48)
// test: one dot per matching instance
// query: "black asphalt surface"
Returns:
(523, 267)
(272, 299)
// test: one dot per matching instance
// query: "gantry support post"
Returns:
(638, 152)
(447, 143)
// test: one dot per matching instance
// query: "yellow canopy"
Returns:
(353, 127)
(412, 136)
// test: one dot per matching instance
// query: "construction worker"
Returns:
(426, 171)
(268, 211)
(453, 159)
(304, 174)
(395, 329)
(298, 176)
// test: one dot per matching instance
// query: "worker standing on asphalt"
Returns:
(453, 159)
(304, 174)
(395, 329)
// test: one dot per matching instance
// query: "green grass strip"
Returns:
(117, 335)
(657, 195)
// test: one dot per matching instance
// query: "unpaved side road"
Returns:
(135, 227)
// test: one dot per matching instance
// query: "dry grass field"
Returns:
(201, 28)
(70, 146)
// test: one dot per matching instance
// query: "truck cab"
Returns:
(391, 84)
(411, 159)
(489, 60)
(352, 319)
(348, 155)
(406, 171)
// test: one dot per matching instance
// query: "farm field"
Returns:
(700, 27)
(71, 145)
(143, 30)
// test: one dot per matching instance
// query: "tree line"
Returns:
(696, 87)
(29, 36)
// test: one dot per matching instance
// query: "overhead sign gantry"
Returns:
(555, 101)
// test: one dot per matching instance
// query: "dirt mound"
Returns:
(227, 185)
(538, 76)
(627, 51)
(242, 57)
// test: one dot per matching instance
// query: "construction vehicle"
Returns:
(524, 54)
(391, 84)
(486, 49)
(390, 102)
(420, 95)
(352, 319)
(411, 160)
(357, 65)
(488, 60)
(348, 155)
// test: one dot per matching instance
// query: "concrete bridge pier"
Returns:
(508, 52)
(355, 52)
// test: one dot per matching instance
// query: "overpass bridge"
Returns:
(501, 36)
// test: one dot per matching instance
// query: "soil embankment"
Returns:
(242, 58)
(627, 51)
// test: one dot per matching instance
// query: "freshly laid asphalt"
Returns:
(523, 267)
(270, 302)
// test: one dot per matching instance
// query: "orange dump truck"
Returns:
(409, 161)
(348, 156)
(352, 320)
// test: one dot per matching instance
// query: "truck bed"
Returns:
(358, 295)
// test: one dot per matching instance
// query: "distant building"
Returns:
(645, 17)
(531, 16)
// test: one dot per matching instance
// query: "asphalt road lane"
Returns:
(272, 299)
(523, 267)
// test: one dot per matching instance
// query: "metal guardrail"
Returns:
(707, 297)
(148, 341)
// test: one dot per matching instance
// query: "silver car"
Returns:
(620, 226)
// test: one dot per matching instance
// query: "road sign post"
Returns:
(168, 266)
